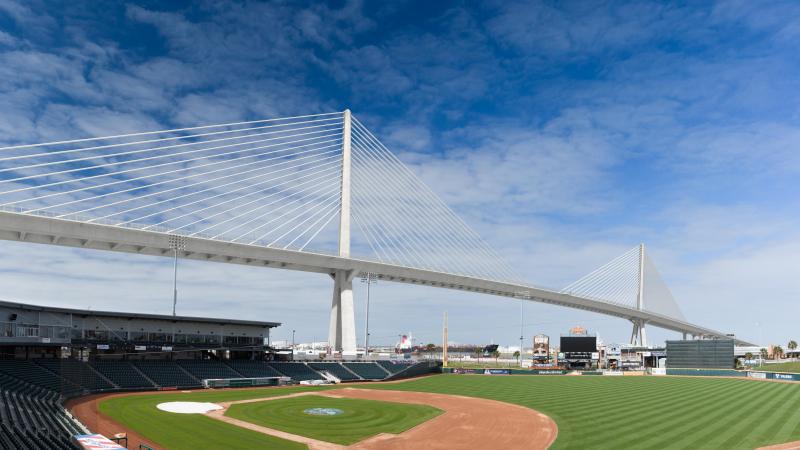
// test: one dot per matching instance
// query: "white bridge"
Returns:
(317, 193)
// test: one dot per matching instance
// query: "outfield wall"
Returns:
(677, 372)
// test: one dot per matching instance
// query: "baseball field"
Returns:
(590, 412)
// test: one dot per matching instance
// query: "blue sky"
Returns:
(564, 132)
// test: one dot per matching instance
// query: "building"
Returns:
(30, 331)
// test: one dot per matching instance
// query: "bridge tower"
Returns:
(342, 331)
(639, 335)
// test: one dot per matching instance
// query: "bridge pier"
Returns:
(342, 331)
(639, 334)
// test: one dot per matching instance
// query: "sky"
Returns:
(564, 133)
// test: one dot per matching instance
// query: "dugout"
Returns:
(700, 354)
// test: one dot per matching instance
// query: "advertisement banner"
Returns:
(140, 348)
(96, 441)
(783, 376)
(497, 372)
(103, 346)
(759, 375)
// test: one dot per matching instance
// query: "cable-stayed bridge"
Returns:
(317, 193)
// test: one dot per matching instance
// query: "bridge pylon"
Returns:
(342, 331)
(639, 334)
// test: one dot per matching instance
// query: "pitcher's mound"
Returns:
(188, 407)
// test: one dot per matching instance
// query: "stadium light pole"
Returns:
(176, 243)
(523, 295)
(368, 278)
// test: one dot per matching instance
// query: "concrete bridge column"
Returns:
(342, 331)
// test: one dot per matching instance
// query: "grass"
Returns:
(641, 412)
(360, 418)
(193, 431)
(791, 367)
(591, 412)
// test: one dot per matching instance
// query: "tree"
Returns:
(764, 353)
(496, 355)
(430, 347)
(792, 345)
(516, 355)
(748, 356)
(777, 352)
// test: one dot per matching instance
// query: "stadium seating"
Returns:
(336, 370)
(367, 371)
(394, 366)
(123, 374)
(31, 417)
(420, 368)
(298, 371)
(34, 374)
(253, 369)
(167, 374)
(77, 372)
(208, 369)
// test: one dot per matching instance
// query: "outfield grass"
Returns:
(591, 412)
(360, 418)
(641, 412)
(791, 367)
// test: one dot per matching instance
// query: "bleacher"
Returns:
(393, 366)
(367, 370)
(123, 374)
(208, 369)
(77, 372)
(34, 374)
(420, 368)
(167, 374)
(31, 417)
(298, 371)
(253, 369)
(335, 369)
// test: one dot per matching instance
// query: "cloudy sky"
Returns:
(565, 133)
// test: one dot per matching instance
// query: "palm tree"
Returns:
(516, 355)
(496, 355)
(748, 356)
(792, 345)
(764, 354)
(777, 351)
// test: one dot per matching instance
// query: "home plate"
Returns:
(188, 407)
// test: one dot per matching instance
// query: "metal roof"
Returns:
(124, 315)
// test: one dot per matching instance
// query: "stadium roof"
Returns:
(88, 312)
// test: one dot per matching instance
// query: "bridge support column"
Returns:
(639, 334)
(342, 331)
